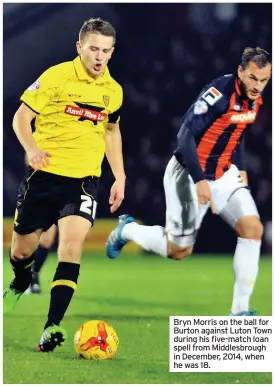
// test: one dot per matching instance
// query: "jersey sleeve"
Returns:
(209, 106)
(114, 117)
(42, 91)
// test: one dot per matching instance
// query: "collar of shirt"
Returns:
(83, 75)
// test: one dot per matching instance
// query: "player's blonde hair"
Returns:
(97, 26)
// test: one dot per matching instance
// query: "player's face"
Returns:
(95, 52)
(254, 79)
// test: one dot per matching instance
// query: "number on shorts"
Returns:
(88, 205)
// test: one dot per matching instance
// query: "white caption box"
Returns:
(221, 344)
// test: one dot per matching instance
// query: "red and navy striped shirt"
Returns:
(211, 134)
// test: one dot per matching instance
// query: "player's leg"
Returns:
(150, 238)
(181, 207)
(242, 215)
(77, 212)
(46, 241)
(183, 213)
(31, 216)
(72, 234)
(21, 260)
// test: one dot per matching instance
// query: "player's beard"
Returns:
(245, 91)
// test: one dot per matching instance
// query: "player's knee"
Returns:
(21, 251)
(70, 251)
(250, 228)
(176, 252)
(23, 246)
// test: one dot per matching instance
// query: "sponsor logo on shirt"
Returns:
(212, 95)
(75, 95)
(248, 117)
(85, 113)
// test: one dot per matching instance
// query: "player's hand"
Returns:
(38, 159)
(204, 194)
(117, 193)
(243, 174)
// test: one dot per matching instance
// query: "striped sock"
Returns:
(62, 289)
(22, 272)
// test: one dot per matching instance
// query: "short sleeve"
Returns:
(42, 91)
(114, 117)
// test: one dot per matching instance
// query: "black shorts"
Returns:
(44, 198)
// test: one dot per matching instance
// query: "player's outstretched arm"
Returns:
(187, 147)
(114, 156)
(22, 128)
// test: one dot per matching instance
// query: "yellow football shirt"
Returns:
(73, 110)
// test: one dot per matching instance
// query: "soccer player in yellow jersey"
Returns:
(76, 110)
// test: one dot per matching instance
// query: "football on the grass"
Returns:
(96, 340)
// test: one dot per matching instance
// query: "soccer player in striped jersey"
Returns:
(208, 169)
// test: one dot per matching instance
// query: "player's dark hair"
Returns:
(97, 26)
(257, 55)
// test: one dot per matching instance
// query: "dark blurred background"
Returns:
(165, 54)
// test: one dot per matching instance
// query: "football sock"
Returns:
(151, 238)
(246, 266)
(41, 254)
(62, 288)
(22, 272)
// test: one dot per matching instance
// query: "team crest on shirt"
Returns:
(200, 107)
(106, 100)
(34, 86)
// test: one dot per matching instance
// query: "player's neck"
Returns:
(242, 89)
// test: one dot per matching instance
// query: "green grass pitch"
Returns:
(136, 294)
